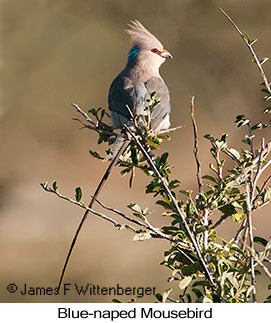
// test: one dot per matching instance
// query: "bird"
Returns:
(133, 86)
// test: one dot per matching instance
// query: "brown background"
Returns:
(54, 53)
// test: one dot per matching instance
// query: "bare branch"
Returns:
(196, 146)
(120, 214)
(161, 132)
(83, 206)
(249, 195)
(251, 140)
(84, 114)
(249, 45)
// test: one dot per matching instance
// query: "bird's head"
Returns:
(147, 50)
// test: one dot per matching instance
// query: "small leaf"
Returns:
(265, 59)
(185, 282)
(259, 125)
(164, 158)
(201, 283)
(210, 178)
(142, 236)
(267, 110)
(125, 171)
(166, 294)
(234, 153)
(55, 186)
(134, 207)
(188, 270)
(247, 39)
(134, 155)
(159, 297)
(260, 240)
(78, 194)
(164, 204)
(95, 154)
(253, 41)
(237, 217)
(115, 300)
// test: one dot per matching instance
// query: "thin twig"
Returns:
(113, 134)
(258, 63)
(84, 114)
(251, 140)
(161, 132)
(157, 231)
(249, 190)
(262, 188)
(84, 217)
(175, 203)
(196, 145)
(120, 214)
(265, 269)
(242, 176)
(83, 206)
(239, 231)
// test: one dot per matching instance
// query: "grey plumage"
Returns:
(138, 80)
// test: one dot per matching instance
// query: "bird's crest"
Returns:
(141, 37)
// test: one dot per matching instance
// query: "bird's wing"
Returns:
(161, 111)
(124, 92)
(121, 94)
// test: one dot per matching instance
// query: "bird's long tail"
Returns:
(117, 153)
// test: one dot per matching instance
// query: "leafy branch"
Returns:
(208, 268)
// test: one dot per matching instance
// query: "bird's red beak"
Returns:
(165, 53)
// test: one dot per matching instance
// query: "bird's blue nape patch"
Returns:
(133, 53)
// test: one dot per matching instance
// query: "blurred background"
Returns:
(53, 53)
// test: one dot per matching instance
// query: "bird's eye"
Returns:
(155, 50)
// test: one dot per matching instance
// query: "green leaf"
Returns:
(210, 178)
(260, 241)
(78, 194)
(259, 125)
(44, 185)
(164, 158)
(238, 217)
(159, 297)
(185, 282)
(227, 209)
(115, 300)
(164, 204)
(95, 154)
(134, 155)
(125, 171)
(247, 39)
(55, 186)
(267, 110)
(188, 270)
(201, 283)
